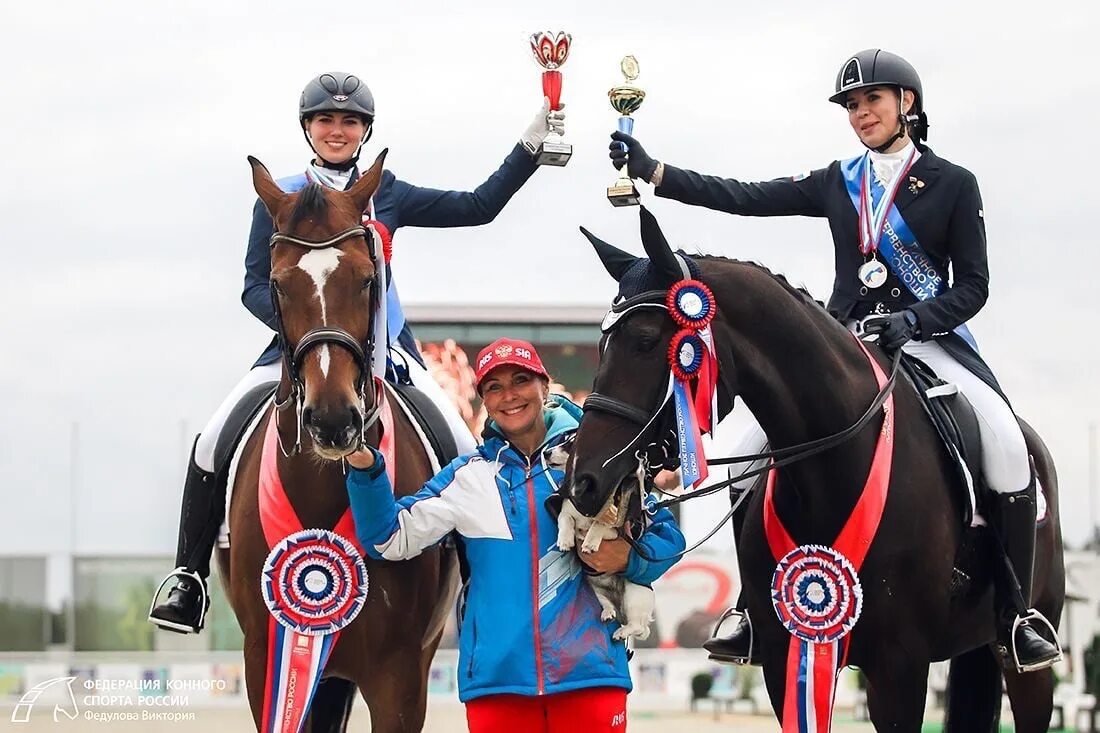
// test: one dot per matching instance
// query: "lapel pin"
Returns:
(915, 184)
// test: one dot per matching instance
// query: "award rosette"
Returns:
(816, 594)
(314, 583)
(694, 365)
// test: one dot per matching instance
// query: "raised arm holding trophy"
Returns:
(625, 98)
(551, 50)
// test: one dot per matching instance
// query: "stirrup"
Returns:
(741, 615)
(204, 602)
(1035, 619)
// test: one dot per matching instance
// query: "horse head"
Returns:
(326, 281)
(628, 419)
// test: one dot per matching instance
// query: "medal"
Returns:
(872, 220)
(872, 273)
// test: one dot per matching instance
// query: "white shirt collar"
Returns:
(887, 165)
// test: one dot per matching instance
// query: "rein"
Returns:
(777, 458)
(293, 358)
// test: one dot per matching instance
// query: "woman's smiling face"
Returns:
(514, 399)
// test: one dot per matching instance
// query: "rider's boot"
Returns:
(1025, 638)
(184, 611)
(739, 647)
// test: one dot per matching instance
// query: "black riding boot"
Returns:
(200, 519)
(739, 647)
(1020, 628)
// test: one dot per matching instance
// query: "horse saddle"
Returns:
(957, 425)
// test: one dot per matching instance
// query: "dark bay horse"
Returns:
(926, 579)
(325, 287)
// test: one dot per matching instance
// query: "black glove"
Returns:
(894, 329)
(637, 161)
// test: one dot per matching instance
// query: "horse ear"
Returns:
(614, 260)
(365, 187)
(658, 249)
(266, 188)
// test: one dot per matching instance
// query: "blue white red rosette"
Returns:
(691, 304)
(314, 582)
(816, 594)
(686, 354)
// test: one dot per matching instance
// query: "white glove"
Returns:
(545, 122)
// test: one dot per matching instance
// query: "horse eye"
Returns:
(647, 341)
(367, 283)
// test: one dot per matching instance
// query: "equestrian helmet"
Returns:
(875, 67)
(335, 91)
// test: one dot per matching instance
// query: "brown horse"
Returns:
(928, 592)
(324, 282)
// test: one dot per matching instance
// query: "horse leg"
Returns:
(897, 689)
(331, 706)
(255, 672)
(774, 658)
(973, 693)
(396, 690)
(1031, 695)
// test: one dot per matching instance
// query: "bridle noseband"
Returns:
(293, 359)
(657, 453)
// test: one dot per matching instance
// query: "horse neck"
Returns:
(803, 377)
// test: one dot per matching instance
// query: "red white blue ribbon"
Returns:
(695, 374)
(314, 584)
(816, 591)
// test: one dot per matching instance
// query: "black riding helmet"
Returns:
(335, 91)
(875, 67)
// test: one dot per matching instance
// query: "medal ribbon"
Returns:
(296, 661)
(812, 667)
(900, 250)
(872, 218)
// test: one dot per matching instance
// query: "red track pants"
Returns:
(593, 710)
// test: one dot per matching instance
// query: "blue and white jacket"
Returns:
(396, 204)
(531, 624)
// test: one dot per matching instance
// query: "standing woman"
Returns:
(534, 654)
(901, 218)
(336, 113)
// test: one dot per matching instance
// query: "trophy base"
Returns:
(554, 154)
(623, 195)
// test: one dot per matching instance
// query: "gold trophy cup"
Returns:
(551, 50)
(625, 98)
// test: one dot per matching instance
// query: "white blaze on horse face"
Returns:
(319, 264)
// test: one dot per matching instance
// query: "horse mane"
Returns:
(311, 203)
(800, 294)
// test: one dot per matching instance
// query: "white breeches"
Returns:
(1004, 452)
(208, 438)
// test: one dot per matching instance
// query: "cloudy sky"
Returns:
(126, 197)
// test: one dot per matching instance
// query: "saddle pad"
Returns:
(957, 425)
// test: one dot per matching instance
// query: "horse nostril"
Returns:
(356, 418)
(307, 416)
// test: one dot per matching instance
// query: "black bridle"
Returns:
(658, 453)
(361, 352)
